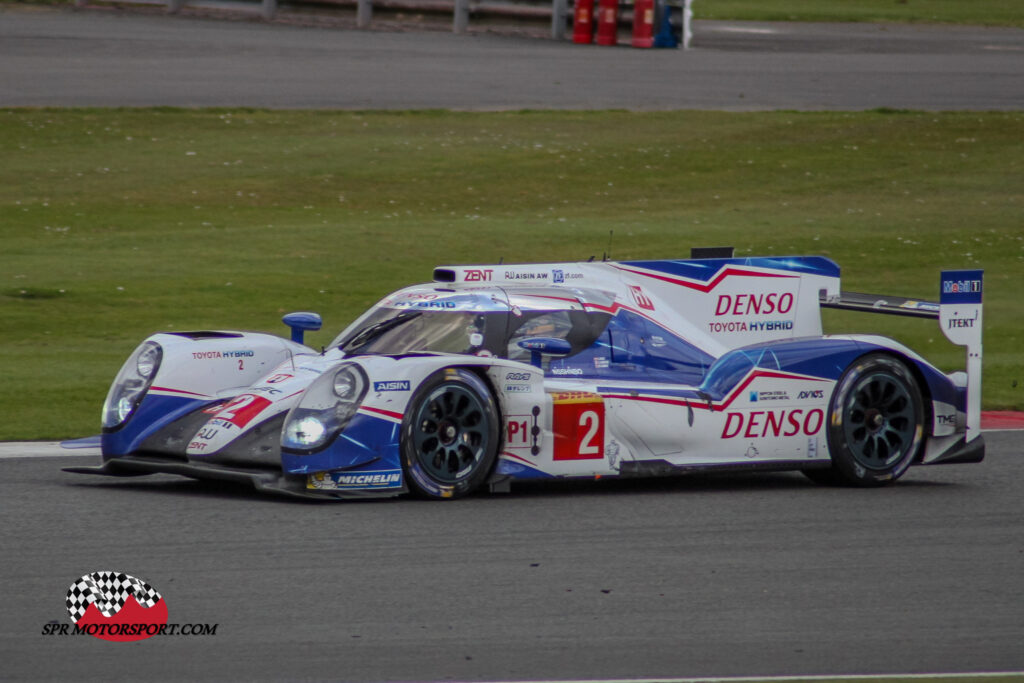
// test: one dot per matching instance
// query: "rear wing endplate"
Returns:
(958, 312)
(960, 297)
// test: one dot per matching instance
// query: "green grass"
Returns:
(118, 223)
(980, 12)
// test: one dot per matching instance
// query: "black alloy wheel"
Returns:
(876, 423)
(450, 435)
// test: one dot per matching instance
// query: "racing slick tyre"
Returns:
(450, 435)
(876, 423)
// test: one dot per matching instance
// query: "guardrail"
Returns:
(556, 12)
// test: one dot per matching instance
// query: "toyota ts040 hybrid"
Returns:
(497, 373)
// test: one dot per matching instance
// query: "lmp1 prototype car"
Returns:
(498, 373)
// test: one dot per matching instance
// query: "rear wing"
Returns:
(958, 312)
(879, 303)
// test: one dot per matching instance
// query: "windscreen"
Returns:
(394, 331)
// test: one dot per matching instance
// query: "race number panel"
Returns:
(578, 426)
(240, 410)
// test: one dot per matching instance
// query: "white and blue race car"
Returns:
(498, 373)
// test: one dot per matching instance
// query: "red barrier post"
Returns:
(643, 23)
(608, 22)
(583, 22)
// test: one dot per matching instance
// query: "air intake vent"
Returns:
(444, 275)
(711, 252)
(206, 335)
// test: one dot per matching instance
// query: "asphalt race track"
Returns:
(105, 58)
(700, 576)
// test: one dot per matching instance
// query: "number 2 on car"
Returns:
(578, 426)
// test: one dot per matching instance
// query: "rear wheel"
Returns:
(450, 435)
(876, 423)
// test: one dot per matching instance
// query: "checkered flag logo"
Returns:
(108, 591)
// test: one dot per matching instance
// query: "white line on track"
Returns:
(1014, 675)
(14, 450)
(740, 29)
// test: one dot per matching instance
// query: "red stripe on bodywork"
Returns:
(616, 307)
(179, 391)
(385, 413)
(506, 454)
(714, 282)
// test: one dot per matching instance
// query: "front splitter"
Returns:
(264, 480)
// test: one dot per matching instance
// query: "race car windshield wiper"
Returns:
(368, 334)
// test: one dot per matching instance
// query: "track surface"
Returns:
(104, 58)
(701, 576)
(724, 575)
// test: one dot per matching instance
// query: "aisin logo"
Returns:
(116, 606)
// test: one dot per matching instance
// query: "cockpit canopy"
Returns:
(605, 341)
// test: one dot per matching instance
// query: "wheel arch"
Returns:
(926, 398)
(481, 372)
(499, 403)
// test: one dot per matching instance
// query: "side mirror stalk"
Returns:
(300, 322)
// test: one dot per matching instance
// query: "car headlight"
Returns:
(131, 384)
(148, 360)
(324, 410)
(347, 384)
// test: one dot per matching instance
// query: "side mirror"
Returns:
(300, 322)
(544, 346)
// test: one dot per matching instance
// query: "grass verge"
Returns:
(1009, 13)
(978, 12)
(118, 223)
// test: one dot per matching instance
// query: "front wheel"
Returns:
(876, 423)
(450, 435)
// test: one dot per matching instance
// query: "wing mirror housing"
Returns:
(301, 321)
(544, 346)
